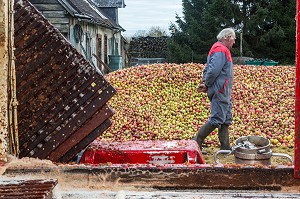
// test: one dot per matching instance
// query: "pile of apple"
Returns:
(160, 101)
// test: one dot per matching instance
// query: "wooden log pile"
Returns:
(148, 47)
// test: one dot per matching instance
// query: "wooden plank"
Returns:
(63, 28)
(59, 92)
(46, 62)
(66, 104)
(57, 122)
(18, 11)
(24, 195)
(37, 62)
(56, 137)
(50, 15)
(56, 107)
(43, 183)
(57, 20)
(43, 62)
(22, 16)
(63, 99)
(40, 36)
(37, 66)
(41, 30)
(32, 29)
(49, 7)
(85, 142)
(54, 12)
(43, 1)
(40, 78)
(41, 188)
(102, 63)
(98, 118)
(57, 103)
(27, 189)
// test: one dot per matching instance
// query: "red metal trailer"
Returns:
(144, 152)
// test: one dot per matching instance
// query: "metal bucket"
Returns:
(251, 150)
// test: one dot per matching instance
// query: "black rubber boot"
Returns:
(224, 137)
(204, 131)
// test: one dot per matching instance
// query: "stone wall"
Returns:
(3, 78)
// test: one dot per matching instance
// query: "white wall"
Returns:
(93, 30)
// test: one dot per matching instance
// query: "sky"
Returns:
(144, 14)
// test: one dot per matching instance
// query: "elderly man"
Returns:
(217, 83)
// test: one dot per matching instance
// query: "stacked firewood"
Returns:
(148, 47)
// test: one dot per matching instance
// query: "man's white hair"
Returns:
(225, 33)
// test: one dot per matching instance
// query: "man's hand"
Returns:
(202, 88)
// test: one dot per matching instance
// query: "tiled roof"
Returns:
(110, 3)
(89, 9)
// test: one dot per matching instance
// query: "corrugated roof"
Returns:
(62, 99)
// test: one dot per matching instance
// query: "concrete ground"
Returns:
(172, 194)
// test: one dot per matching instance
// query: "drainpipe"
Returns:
(13, 103)
(114, 39)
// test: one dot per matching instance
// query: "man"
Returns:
(217, 83)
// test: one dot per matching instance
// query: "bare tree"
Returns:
(154, 31)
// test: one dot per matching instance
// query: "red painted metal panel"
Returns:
(143, 152)
(297, 100)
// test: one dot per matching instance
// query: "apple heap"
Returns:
(160, 101)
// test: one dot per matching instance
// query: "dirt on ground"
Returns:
(224, 159)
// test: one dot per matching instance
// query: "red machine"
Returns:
(143, 152)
